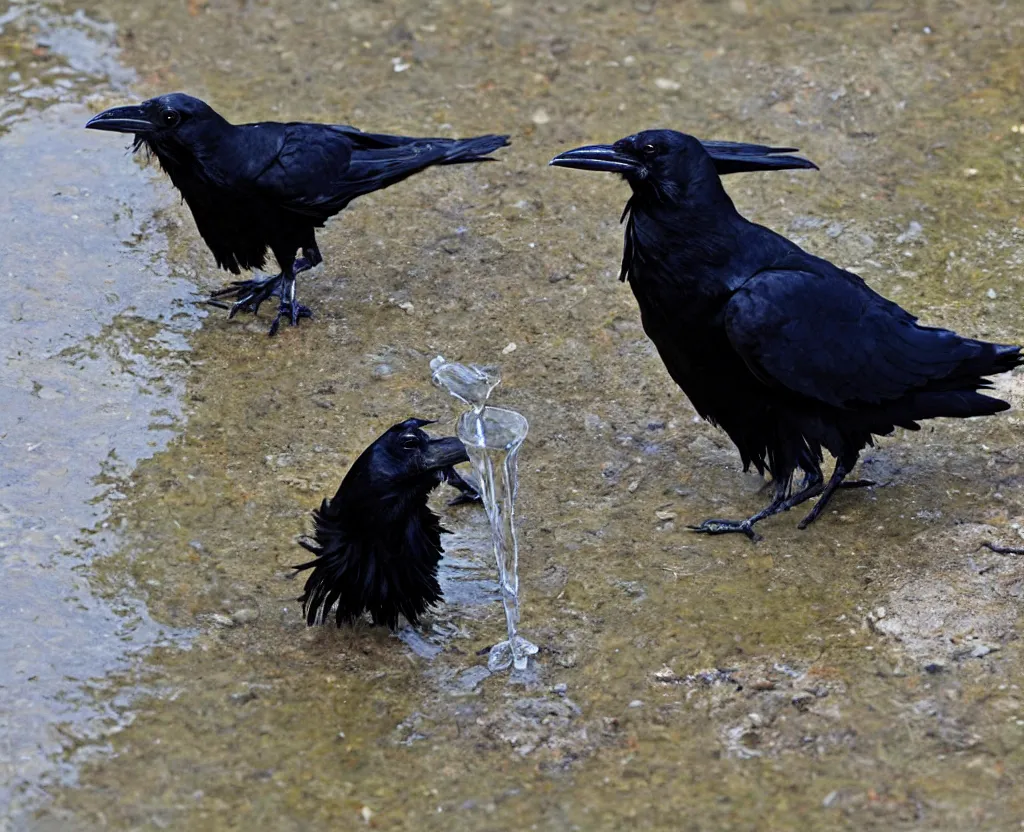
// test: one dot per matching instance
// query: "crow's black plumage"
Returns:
(788, 353)
(271, 185)
(376, 542)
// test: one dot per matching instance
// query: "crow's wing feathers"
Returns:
(310, 169)
(829, 337)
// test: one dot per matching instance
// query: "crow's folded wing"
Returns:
(829, 337)
(310, 171)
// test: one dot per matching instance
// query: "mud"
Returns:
(863, 674)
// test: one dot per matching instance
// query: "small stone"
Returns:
(222, 620)
(636, 703)
(469, 679)
(629, 60)
(244, 616)
(633, 486)
(912, 233)
(560, 688)
(49, 394)
(880, 613)
(763, 684)
(540, 116)
(366, 813)
(755, 720)
(382, 371)
(830, 799)
(408, 307)
(667, 84)
(509, 348)
(665, 515)
(970, 173)
(991, 293)
(983, 650)
(802, 701)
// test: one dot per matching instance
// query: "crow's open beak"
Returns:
(738, 157)
(443, 453)
(122, 120)
(596, 157)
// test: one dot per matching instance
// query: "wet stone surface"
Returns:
(863, 674)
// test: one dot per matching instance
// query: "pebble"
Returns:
(970, 173)
(991, 293)
(912, 233)
(469, 679)
(509, 348)
(560, 688)
(540, 116)
(244, 616)
(665, 515)
(382, 371)
(223, 620)
(983, 650)
(666, 84)
(636, 703)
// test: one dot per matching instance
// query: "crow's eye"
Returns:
(410, 442)
(649, 150)
(169, 118)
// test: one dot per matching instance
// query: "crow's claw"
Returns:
(291, 311)
(248, 295)
(714, 526)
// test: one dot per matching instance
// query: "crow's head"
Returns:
(376, 542)
(671, 160)
(161, 122)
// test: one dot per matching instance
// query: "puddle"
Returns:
(92, 367)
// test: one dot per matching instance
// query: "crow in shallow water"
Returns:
(376, 542)
(269, 185)
(786, 352)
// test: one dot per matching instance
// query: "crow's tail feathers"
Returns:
(458, 151)
(386, 575)
(957, 394)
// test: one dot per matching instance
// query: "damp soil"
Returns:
(862, 674)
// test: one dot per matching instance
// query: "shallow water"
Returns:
(862, 674)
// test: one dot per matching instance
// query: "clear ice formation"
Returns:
(493, 436)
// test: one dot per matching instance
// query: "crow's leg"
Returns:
(291, 308)
(468, 492)
(778, 503)
(249, 295)
(843, 467)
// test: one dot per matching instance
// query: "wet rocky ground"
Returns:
(159, 462)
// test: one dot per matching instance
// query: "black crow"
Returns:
(376, 542)
(270, 185)
(788, 353)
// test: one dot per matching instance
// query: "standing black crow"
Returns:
(269, 185)
(376, 542)
(786, 352)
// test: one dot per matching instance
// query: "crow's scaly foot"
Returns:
(716, 526)
(292, 311)
(248, 295)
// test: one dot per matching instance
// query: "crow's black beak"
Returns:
(122, 120)
(597, 157)
(738, 157)
(443, 453)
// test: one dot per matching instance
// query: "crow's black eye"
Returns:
(169, 118)
(649, 150)
(410, 442)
